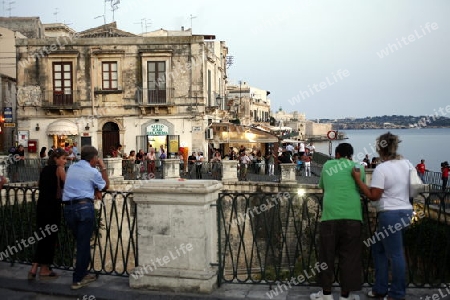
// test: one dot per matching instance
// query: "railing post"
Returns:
(114, 168)
(287, 173)
(5, 161)
(171, 168)
(229, 170)
(368, 175)
(177, 227)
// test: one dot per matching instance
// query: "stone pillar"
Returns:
(5, 161)
(287, 173)
(171, 168)
(177, 227)
(368, 175)
(114, 167)
(229, 169)
(262, 167)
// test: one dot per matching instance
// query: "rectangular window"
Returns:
(156, 82)
(109, 75)
(62, 83)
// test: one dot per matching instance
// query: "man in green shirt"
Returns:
(340, 226)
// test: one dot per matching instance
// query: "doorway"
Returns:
(110, 138)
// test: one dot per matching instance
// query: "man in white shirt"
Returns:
(244, 160)
(311, 148)
(198, 165)
(301, 149)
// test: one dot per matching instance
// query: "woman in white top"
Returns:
(151, 159)
(390, 188)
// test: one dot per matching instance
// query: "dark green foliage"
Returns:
(427, 244)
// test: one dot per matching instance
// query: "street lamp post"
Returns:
(240, 90)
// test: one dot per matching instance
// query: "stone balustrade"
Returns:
(288, 173)
(229, 170)
(177, 225)
(114, 167)
(171, 168)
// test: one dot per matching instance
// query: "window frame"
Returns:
(110, 80)
(62, 95)
(159, 95)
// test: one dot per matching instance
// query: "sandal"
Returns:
(31, 275)
(51, 275)
(372, 294)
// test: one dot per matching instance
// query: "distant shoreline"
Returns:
(389, 122)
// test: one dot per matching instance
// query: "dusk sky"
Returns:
(327, 59)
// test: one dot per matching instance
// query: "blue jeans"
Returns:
(421, 176)
(389, 248)
(80, 220)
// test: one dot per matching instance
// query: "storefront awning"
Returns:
(292, 141)
(62, 127)
(280, 128)
(233, 133)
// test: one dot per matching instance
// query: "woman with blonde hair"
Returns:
(390, 189)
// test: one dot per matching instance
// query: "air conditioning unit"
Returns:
(209, 134)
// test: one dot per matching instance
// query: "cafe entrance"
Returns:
(158, 135)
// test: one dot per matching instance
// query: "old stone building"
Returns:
(249, 104)
(8, 87)
(105, 86)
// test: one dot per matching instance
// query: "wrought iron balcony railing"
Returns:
(61, 99)
(154, 96)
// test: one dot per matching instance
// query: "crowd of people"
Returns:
(141, 165)
(144, 164)
(299, 155)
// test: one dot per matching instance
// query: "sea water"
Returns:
(431, 144)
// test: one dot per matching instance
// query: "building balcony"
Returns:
(152, 97)
(67, 99)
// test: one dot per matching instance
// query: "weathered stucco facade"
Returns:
(250, 105)
(7, 87)
(105, 86)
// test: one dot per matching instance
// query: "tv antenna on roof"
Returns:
(56, 14)
(114, 6)
(144, 24)
(10, 7)
(104, 20)
(192, 17)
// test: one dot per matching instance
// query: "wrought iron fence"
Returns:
(27, 170)
(213, 171)
(114, 242)
(434, 179)
(270, 238)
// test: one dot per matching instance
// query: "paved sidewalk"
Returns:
(14, 285)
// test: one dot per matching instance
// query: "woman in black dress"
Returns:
(48, 212)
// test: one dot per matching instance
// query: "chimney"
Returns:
(182, 28)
